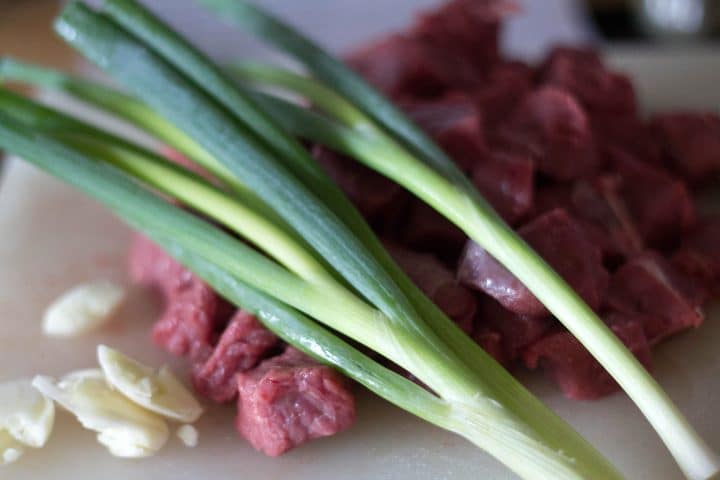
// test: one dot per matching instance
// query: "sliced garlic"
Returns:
(126, 429)
(158, 391)
(83, 308)
(188, 435)
(25, 414)
(10, 449)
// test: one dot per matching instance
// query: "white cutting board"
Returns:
(52, 238)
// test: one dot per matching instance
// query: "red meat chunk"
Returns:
(699, 255)
(506, 181)
(516, 331)
(690, 142)
(659, 204)
(439, 284)
(649, 285)
(375, 196)
(464, 142)
(561, 242)
(501, 92)
(466, 28)
(243, 344)
(606, 219)
(426, 230)
(193, 311)
(627, 133)
(570, 365)
(582, 72)
(554, 129)
(405, 67)
(454, 124)
(288, 400)
(491, 342)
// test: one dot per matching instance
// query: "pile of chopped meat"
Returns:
(562, 153)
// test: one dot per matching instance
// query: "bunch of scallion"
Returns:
(309, 266)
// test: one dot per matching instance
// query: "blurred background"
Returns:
(25, 31)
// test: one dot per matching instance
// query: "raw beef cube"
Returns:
(454, 123)
(189, 323)
(404, 67)
(464, 142)
(375, 196)
(516, 331)
(426, 230)
(649, 285)
(243, 344)
(690, 142)
(503, 89)
(606, 219)
(439, 284)
(491, 342)
(553, 128)
(193, 311)
(581, 72)
(599, 208)
(506, 181)
(627, 133)
(561, 242)
(659, 204)
(290, 399)
(466, 28)
(579, 376)
(699, 254)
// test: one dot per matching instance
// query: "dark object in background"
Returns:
(656, 20)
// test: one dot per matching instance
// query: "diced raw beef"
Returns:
(627, 133)
(649, 285)
(243, 344)
(188, 325)
(562, 243)
(516, 331)
(581, 72)
(699, 255)
(579, 376)
(426, 230)
(455, 125)
(596, 206)
(193, 311)
(606, 219)
(466, 28)
(690, 142)
(288, 400)
(553, 128)
(439, 284)
(464, 142)
(506, 181)
(405, 67)
(375, 196)
(491, 342)
(501, 92)
(659, 204)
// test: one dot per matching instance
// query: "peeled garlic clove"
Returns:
(10, 449)
(188, 435)
(158, 391)
(126, 429)
(83, 308)
(25, 414)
